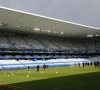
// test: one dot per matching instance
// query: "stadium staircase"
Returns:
(25, 40)
(9, 41)
(54, 43)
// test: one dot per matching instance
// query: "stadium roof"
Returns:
(24, 21)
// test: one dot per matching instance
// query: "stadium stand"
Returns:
(43, 43)
(31, 51)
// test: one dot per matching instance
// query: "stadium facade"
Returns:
(43, 40)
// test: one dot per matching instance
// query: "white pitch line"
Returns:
(76, 85)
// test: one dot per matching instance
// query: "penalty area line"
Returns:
(76, 85)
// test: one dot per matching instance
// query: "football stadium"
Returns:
(43, 53)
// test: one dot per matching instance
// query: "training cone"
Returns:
(12, 74)
(56, 72)
(27, 75)
(41, 72)
(29, 71)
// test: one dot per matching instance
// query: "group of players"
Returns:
(95, 63)
(44, 67)
(38, 67)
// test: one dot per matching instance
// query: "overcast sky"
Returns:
(85, 12)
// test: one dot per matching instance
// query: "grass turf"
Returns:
(59, 78)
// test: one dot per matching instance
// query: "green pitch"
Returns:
(59, 78)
